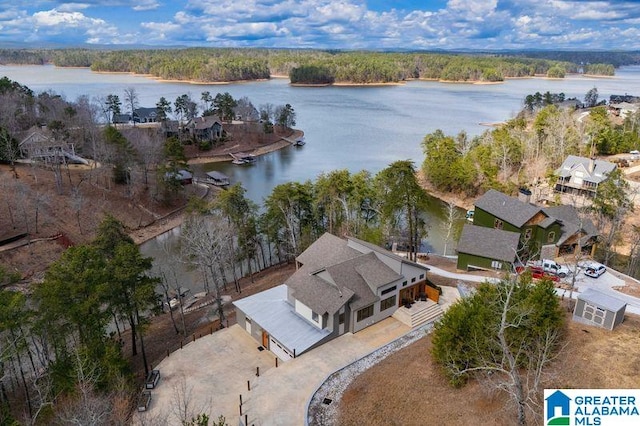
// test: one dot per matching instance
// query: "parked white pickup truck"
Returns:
(550, 266)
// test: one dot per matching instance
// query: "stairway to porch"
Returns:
(419, 313)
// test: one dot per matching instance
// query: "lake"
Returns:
(351, 128)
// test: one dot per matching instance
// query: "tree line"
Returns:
(321, 66)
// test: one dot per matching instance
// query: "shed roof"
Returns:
(489, 243)
(507, 208)
(272, 312)
(602, 300)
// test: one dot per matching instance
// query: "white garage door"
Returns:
(278, 350)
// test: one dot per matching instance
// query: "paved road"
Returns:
(604, 283)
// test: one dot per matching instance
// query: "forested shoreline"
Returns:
(326, 67)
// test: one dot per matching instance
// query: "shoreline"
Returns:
(175, 218)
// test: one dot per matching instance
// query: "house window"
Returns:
(388, 290)
(388, 303)
(551, 237)
(413, 280)
(404, 283)
(314, 316)
(527, 234)
(341, 318)
(497, 224)
(364, 313)
(421, 276)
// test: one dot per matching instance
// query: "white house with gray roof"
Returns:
(581, 175)
(340, 285)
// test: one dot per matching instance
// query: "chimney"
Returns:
(592, 164)
(524, 195)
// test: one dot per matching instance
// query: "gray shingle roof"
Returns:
(571, 223)
(489, 243)
(206, 122)
(601, 299)
(573, 163)
(334, 273)
(327, 250)
(316, 293)
(507, 208)
(271, 311)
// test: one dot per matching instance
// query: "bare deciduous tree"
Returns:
(452, 216)
(186, 405)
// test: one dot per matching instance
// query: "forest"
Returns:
(326, 67)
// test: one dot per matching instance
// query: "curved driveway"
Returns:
(215, 369)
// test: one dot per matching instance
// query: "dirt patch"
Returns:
(407, 388)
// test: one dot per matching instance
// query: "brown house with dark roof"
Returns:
(339, 286)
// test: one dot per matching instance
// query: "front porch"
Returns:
(418, 313)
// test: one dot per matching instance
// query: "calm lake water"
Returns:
(351, 128)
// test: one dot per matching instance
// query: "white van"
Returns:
(594, 270)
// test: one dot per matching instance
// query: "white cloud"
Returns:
(146, 5)
(331, 23)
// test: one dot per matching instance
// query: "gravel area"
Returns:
(321, 413)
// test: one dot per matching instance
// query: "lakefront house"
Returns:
(507, 230)
(340, 286)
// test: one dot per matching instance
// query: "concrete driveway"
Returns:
(213, 371)
(208, 374)
(605, 284)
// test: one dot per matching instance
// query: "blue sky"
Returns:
(342, 24)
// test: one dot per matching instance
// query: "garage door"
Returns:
(279, 350)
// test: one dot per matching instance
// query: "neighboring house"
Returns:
(146, 115)
(505, 225)
(140, 115)
(487, 248)
(40, 145)
(581, 175)
(206, 128)
(616, 99)
(596, 308)
(339, 286)
(121, 118)
(624, 109)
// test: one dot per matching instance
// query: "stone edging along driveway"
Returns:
(321, 411)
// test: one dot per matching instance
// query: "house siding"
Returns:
(465, 261)
(376, 317)
(307, 313)
(486, 219)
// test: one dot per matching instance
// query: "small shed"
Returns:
(596, 308)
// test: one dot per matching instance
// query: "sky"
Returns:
(326, 24)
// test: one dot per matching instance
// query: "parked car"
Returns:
(539, 273)
(594, 270)
(550, 266)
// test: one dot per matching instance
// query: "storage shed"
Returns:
(596, 308)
